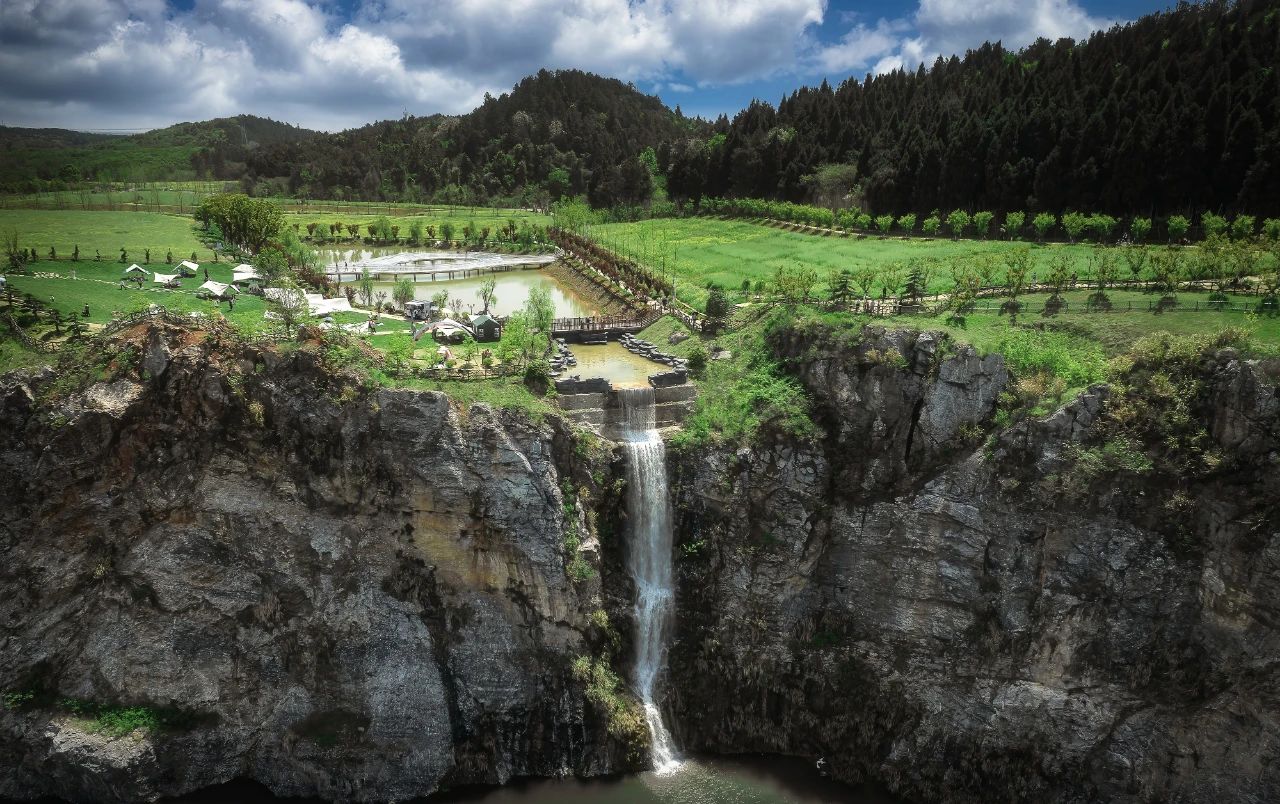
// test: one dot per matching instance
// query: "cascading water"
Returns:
(649, 558)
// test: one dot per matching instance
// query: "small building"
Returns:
(215, 290)
(187, 268)
(486, 328)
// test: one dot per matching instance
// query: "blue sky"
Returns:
(333, 64)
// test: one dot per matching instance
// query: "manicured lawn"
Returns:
(107, 232)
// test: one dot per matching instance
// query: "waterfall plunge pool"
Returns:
(740, 779)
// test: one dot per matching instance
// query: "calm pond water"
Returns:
(512, 288)
(708, 780)
(615, 364)
(409, 260)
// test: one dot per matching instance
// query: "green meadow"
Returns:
(702, 251)
(106, 232)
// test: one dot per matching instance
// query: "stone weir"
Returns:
(596, 403)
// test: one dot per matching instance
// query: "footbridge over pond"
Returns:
(600, 328)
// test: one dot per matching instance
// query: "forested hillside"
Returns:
(1178, 112)
(1174, 112)
(57, 158)
(556, 133)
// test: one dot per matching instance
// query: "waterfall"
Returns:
(649, 558)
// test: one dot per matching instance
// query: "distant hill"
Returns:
(213, 148)
(550, 135)
(1177, 112)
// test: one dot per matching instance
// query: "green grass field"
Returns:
(699, 251)
(69, 287)
(107, 232)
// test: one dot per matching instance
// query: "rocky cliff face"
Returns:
(351, 594)
(921, 604)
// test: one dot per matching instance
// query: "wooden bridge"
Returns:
(601, 326)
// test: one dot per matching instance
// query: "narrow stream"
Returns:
(649, 559)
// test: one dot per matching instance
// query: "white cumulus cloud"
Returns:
(105, 64)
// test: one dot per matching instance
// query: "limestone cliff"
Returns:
(970, 615)
(352, 593)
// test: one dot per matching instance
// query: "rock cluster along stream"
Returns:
(366, 594)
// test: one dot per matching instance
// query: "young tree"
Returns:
(884, 223)
(1136, 258)
(1102, 226)
(353, 230)
(1178, 226)
(1042, 224)
(487, 294)
(415, 232)
(1242, 227)
(795, 283)
(446, 232)
(1017, 269)
(291, 305)
(1213, 225)
(986, 267)
(402, 293)
(864, 276)
(75, 255)
(1013, 223)
(1139, 228)
(719, 311)
(840, 284)
(124, 255)
(982, 223)
(931, 225)
(907, 223)
(364, 288)
(53, 254)
(541, 313)
(957, 222)
(1074, 224)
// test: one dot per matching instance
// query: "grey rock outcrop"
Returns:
(361, 599)
(938, 622)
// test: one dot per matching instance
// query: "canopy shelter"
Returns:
(450, 331)
(216, 290)
(245, 275)
(135, 270)
(167, 280)
(187, 268)
(316, 304)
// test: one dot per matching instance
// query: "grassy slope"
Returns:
(104, 231)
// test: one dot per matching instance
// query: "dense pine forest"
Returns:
(1178, 112)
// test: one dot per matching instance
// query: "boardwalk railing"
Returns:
(604, 323)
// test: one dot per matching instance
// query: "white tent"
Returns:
(321, 306)
(136, 269)
(166, 279)
(244, 266)
(447, 329)
(217, 290)
(188, 268)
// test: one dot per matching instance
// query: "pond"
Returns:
(615, 364)
(348, 263)
(512, 288)
(704, 780)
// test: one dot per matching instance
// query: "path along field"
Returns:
(699, 251)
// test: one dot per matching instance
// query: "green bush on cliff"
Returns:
(607, 693)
